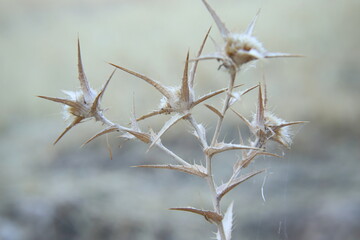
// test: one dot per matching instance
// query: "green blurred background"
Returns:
(68, 192)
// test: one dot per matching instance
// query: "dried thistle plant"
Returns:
(179, 101)
(239, 48)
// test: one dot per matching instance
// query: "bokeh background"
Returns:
(68, 192)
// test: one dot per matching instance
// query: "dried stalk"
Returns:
(238, 49)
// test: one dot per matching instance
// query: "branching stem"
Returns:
(224, 109)
(195, 125)
(210, 178)
(109, 123)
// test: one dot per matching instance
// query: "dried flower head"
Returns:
(239, 48)
(81, 104)
(178, 99)
(275, 129)
(267, 126)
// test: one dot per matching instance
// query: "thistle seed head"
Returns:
(273, 128)
(80, 108)
(81, 104)
(267, 126)
(175, 102)
(240, 48)
(243, 48)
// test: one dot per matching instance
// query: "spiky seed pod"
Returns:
(178, 99)
(176, 102)
(80, 107)
(239, 48)
(243, 48)
(275, 129)
(266, 126)
(81, 104)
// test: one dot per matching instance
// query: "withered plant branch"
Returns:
(225, 108)
(208, 157)
(238, 49)
(159, 145)
(196, 170)
(212, 217)
(212, 94)
(234, 182)
(209, 174)
(200, 134)
(172, 121)
(153, 113)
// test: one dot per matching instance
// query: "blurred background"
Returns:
(68, 192)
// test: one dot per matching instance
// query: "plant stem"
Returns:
(256, 143)
(202, 139)
(225, 108)
(214, 198)
(172, 154)
(221, 231)
(212, 186)
(109, 123)
(204, 144)
(210, 179)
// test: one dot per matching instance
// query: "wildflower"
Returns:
(81, 104)
(239, 48)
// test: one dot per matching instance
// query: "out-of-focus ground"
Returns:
(68, 192)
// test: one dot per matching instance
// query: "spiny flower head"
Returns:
(243, 48)
(267, 126)
(81, 104)
(79, 107)
(175, 102)
(240, 48)
(174, 99)
(179, 99)
(273, 128)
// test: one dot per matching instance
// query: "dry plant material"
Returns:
(179, 101)
(81, 104)
(210, 216)
(239, 48)
(194, 169)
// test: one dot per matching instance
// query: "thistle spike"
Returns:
(98, 98)
(221, 26)
(84, 84)
(195, 64)
(260, 111)
(171, 122)
(71, 125)
(185, 91)
(152, 82)
(249, 31)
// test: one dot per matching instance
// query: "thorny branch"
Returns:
(238, 49)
